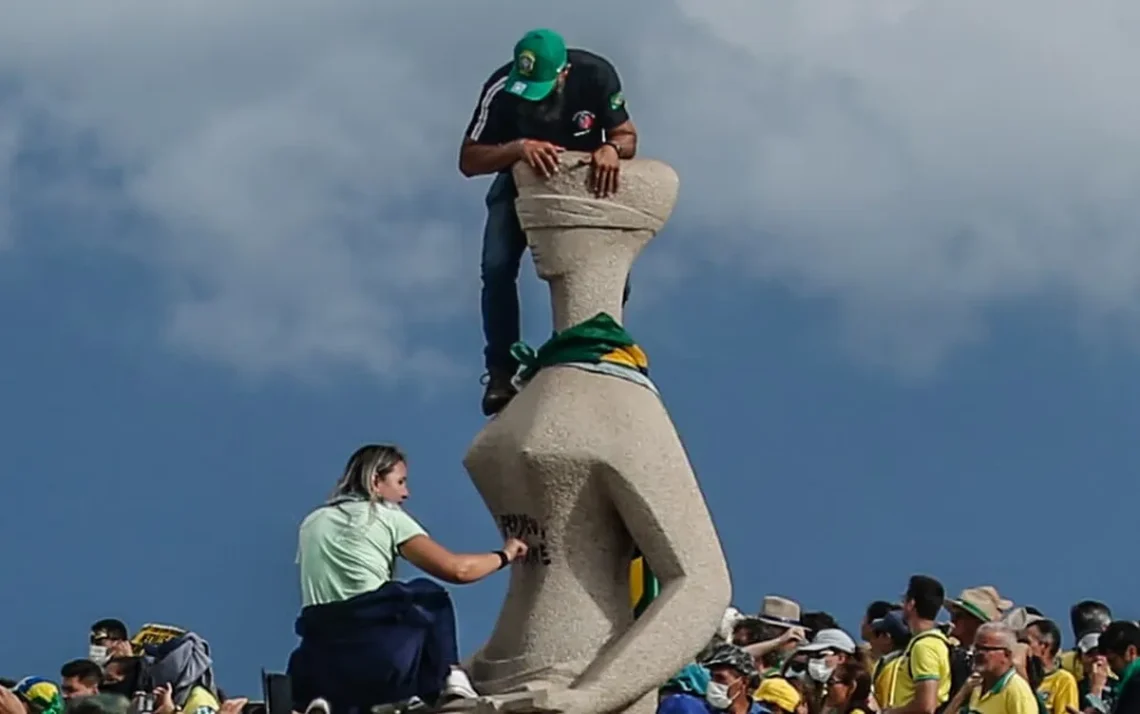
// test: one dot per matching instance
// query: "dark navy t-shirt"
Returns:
(590, 104)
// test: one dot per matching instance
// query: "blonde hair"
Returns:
(366, 462)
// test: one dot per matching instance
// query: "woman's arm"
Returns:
(457, 568)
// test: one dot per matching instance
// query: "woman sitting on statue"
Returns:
(366, 638)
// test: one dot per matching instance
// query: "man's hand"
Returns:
(120, 648)
(605, 165)
(542, 156)
(793, 634)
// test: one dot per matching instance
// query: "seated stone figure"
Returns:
(585, 465)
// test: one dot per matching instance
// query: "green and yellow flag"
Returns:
(643, 584)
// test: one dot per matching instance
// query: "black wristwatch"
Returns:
(504, 561)
(616, 147)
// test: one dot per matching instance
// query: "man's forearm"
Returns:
(479, 159)
(625, 142)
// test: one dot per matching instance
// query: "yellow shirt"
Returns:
(1010, 695)
(926, 658)
(1059, 688)
(884, 685)
(1071, 663)
(201, 701)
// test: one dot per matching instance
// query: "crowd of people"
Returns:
(987, 657)
(370, 640)
(161, 669)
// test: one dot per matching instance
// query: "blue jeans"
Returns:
(380, 647)
(504, 243)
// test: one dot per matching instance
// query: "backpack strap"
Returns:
(914, 640)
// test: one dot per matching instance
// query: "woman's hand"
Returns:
(514, 548)
(164, 699)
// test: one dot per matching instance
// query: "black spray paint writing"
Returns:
(530, 531)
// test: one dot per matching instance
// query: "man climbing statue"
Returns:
(546, 100)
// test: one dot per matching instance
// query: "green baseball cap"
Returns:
(540, 56)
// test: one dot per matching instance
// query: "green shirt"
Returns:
(350, 548)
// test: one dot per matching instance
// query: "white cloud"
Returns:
(914, 160)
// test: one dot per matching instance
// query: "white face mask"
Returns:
(819, 670)
(716, 694)
(98, 655)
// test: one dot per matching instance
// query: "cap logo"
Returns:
(525, 63)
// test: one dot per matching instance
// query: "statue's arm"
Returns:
(657, 496)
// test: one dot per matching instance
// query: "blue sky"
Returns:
(893, 317)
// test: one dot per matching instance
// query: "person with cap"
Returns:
(875, 611)
(685, 691)
(732, 680)
(108, 638)
(1058, 687)
(777, 696)
(546, 100)
(922, 684)
(889, 637)
(31, 695)
(970, 610)
(776, 633)
(1085, 617)
(826, 651)
(1095, 689)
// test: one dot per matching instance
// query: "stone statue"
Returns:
(586, 466)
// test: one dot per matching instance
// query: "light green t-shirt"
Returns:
(350, 548)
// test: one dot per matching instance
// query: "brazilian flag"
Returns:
(643, 584)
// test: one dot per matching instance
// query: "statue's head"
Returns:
(570, 230)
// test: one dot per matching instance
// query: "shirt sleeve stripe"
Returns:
(485, 108)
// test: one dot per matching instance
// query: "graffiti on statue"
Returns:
(529, 530)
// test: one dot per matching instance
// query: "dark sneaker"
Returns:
(500, 391)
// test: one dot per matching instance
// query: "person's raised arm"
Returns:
(458, 568)
(759, 649)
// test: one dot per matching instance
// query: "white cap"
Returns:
(833, 639)
(1088, 642)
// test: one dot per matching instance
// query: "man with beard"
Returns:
(546, 100)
